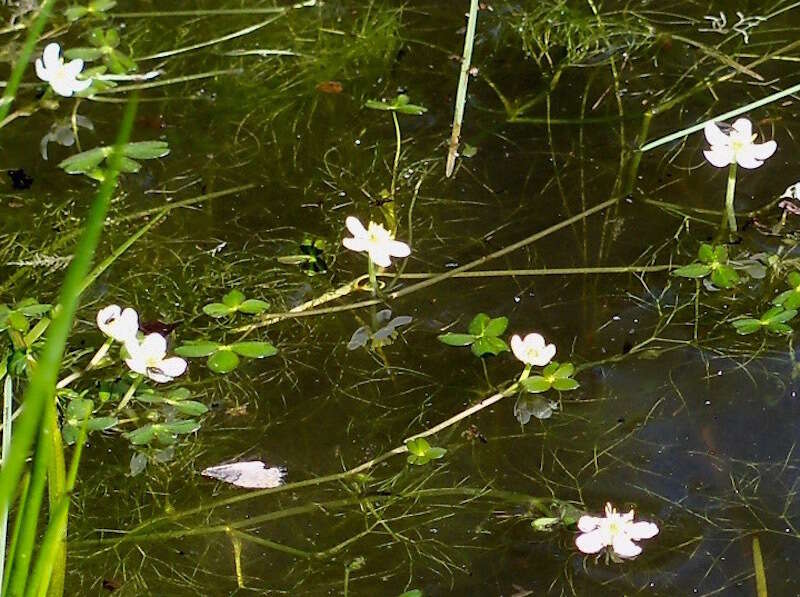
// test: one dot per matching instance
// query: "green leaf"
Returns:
(87, 54)
(233, 299)
(418, 446)
(457, 339)
(565, 370)
(780, 317)
(223, 361)
(84, 161)
(18, 321)
(32, 309)
(693, 270)
(565, 384)
(146, 150)
(536, 384)
(254, 350)
(794, 280)
(143, 435)
(182, 427)
(128, 165)
(412, 593)
(725, 276)
(784, 296)
(418, 460)
(779, 328)
(706, 253)
(197, 348)
(101, 423)
(721, 254)
(191, 408)
(488, 345)
(747, 326)
(496, 326)
(478, 324)
(436, 453)
(73, 13)
(253, 306)
(217, 310)
(793, 301)
(550, 370)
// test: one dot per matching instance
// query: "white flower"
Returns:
(148, 358)
(532, 350)
(376, 241)
(737, 147)
(63, 77)
(615, 530)
(117, 324)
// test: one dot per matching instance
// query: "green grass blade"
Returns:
(42, 384)
(8, 407)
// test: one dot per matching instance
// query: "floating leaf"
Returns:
(197, 348)
(693, 270)
(457, 339)
(254, 350)
(223, 361)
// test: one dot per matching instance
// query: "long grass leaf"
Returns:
(41, 388)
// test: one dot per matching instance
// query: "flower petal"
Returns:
(587, 524)
(379, 256)
(51, 56)
(62, 87)
(395, 248)
(720, 155)
(546, 355)
(744, 127)
(167, 370)
(534, 341)
(73, 68)
(714, 135)
(356, 244)
(41, 70)
(624, 547)
(641, 530)
(355, 227)
(746, 159)
(153, 347)
(517, 347)
(590, 542)
(764, 151)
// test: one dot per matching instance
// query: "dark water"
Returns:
(696, 429)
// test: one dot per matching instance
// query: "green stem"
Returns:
(398, 141)
(729, 197)
(129, 394)
(373, 278)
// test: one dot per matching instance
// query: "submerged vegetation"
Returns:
(234, 350)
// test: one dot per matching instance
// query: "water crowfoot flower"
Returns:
(532, 350)
(117, 324)
(614, 530)
(376, 241)
(148, 357)
(737, 147)
(63, 77)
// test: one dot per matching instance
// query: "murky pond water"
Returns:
(271, 148)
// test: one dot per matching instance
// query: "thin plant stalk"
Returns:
(729, 195)
(8, 406)
(461, 94)
(373, 277)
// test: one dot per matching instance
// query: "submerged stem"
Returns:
(729, 197)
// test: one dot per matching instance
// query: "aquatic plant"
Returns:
(532, 350)
(738, 147)
(614, 530)
(377, 243)
(62, 77)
